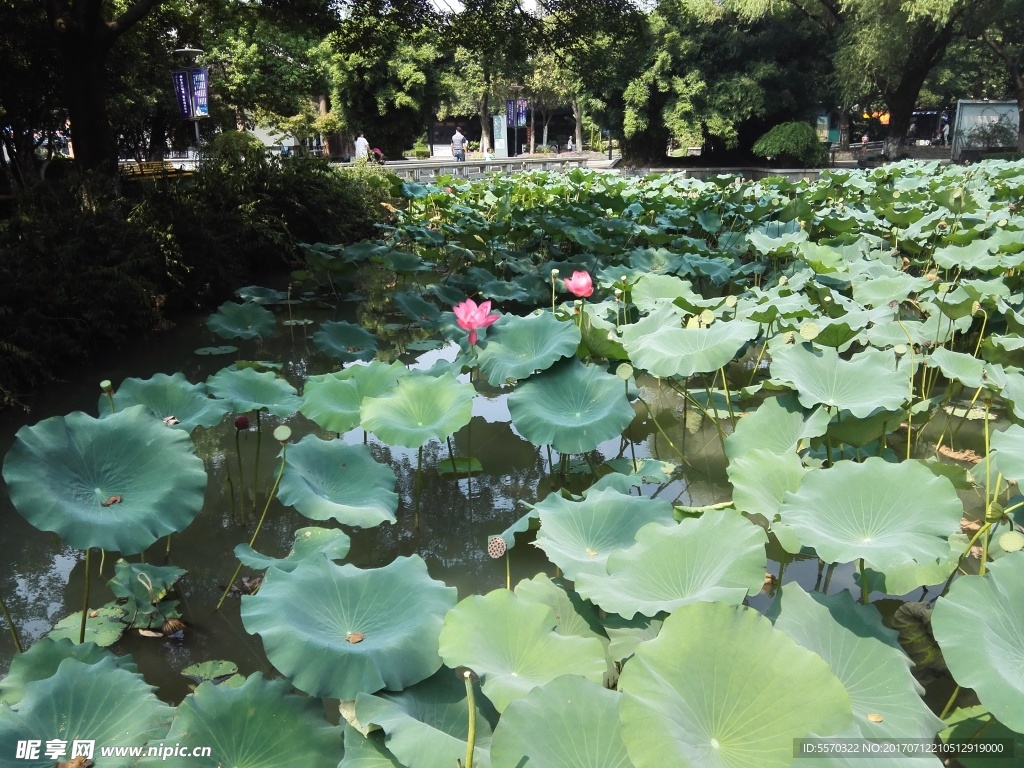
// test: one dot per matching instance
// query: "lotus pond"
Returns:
(563, 471)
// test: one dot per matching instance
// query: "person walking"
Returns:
(944, 133)
(362, 147)
(568, 145)
(459, 146)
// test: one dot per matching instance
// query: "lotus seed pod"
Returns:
(783, 280)
(1001, 223)
(900, 350)
(826, 299)
(693, 323)
(107, 387)
(809, 331)
(282, 434)
(731, 301)
(976, 308)
(788, 338)
(1011, 541)
(707, 317)
(624, 371)
(496, 546)
(618, 292)
(554, 273)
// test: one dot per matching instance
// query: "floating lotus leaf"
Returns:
(578, 536)
(42, 659)
(867, 659)
(332, 400)
(259, 724)
(572, 407)
(821, 377)
(628, 475)
(512, 645)
(980, 628)
(261, 295)
(242, 321)
(719, 556)
(778, 425)
(419, 409)
(166, 397)
(100, 702)
(721, 688)
(250, 390)
(366, 751)
(224, 349)
(345, 341)
(885, 513)
(427, 725)
(103, 626)
(217, 672)
(310, 543)
(518, 346)
(661, 346)
(118, 483)
(141, 588)
(325, 479)
(338, 631)
(965, 725)
(419, 309)
(568, 723)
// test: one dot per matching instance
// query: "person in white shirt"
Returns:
(362, 147)
(568, 145)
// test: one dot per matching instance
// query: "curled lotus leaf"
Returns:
(980, 628)
(345, 341)
(718, 556)
(329, 479)
(333, 400)
(242, 321)
(572, 407)
(689, 694)
(517, 347)
(309, 543)
(168, 396)
(258, 724)
(63, 472)
(887, 514)
(366, 751)
(42, 660)
(419, 409)
(250, 390)
(307, 617)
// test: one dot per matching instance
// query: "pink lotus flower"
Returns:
(579, 284)
(470, 317)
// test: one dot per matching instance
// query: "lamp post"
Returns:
(516, 90)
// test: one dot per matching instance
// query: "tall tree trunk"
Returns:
(577, 115)
(328, 142)
(533, 133)
(486, 140)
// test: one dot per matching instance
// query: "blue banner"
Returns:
(510, 112)
(200, 95)
(521, 112)
(182, 93)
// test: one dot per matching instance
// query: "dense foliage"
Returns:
(792, 142)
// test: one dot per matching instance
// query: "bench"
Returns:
(150, 169)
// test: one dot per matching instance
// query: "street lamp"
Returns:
(516, 90)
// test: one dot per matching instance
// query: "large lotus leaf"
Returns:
(572, 407)
(309, 543)
(332, 400)
(1008, 452)
(118, 483)
(141, 589)
(43, 658)
(880, 290)
(884, 513)
(625, 635)
(760, 480)
(903, 579)
(259, 724)
(261, 294)
(249, 390)
(652, 290)
(967, 369)
(338, 631)
(980, 628)
(935, 329)
(326, 479)
(718, 556)
(242, 321)
(518, 346)
(100, 702)
(103, 626)
(867, 659)
(574, 615)
(512, 645)
(721, 688)
(821, 377)
(366, 751)
(420, 408)
(568, 723)
(971, 724)
(778, 425)
(427, 725)
(167, 397)
(345, 341)
(661, 346)
(578, 536)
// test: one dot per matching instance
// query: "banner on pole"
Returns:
(510, 112)
(200, 93)
(183, 94)
(521, 112)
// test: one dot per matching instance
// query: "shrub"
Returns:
(420, 151)
(795, 142)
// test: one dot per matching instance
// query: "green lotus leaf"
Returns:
(511, 644)
(579, 536)
(601, 336)
(427, 725)
(980, 628)
(223, 349)
(250, 390)
(625, 635)
(100, 702)
(884, 513)
(567, 723)
(141, 588)
(118, 483)
(44, 657)
(967, 369)
(903, 579)
(216, 671)
(847, 429)
(261, 294)
(882, 290)
(519, 346)
(333, 400)
(760, 480)
(1008, 452)
(328, 479)
(935, 329)
(574, 616)
(309, 543)
(652, 290)
(691, 695)
(778, 425)
(338, 631)
(103, 626)
(419, 409)
(167, 397)
(259, 724)
(965, 724)
(661, 346)
(572, 407)
(366, 751)
(719, 556)
(345, 341)
(628, 475)
(860, 385)
(242, 321)
(867, 659)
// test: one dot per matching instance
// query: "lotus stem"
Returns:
(821, 570)
(728, 397)
(981, 333)
(551, 461)
(989, 495)
(103, 559)
(828, 577)
(108, 390)
(241, 479)
(471, 703)
(629, 429)
(864, 590)
(10, 625)
(980, 532)
(85, 599)
(508, 571)
(662, 431)
(949, 704)
(256, 464)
